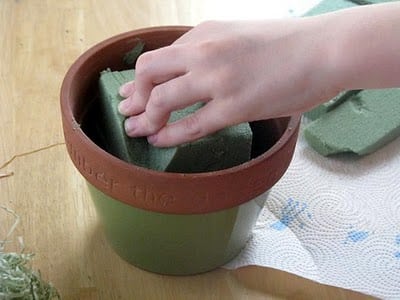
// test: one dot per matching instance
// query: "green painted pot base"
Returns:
(176, 244)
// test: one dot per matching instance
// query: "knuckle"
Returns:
(227, 76)
(147, 126)
(205, 25)
(223, 83)
(143, 62)
(191, 125)
(151, 127)
(157, 97)
(208, 49)
(220, 47)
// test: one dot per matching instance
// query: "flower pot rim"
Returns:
(76, 138)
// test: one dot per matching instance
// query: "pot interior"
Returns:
(265, 133)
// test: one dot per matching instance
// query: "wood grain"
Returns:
(39, 41)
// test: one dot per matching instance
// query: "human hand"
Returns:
(242, 71)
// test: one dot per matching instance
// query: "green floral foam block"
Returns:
(226, 148)
(362, 124)
(329, 105)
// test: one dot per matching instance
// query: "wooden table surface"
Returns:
(39, 41)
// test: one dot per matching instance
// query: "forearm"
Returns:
(363, 46)
(254, 70)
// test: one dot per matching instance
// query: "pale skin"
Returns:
(252, 70)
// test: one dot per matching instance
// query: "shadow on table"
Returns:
(104, 275)
(289, 286)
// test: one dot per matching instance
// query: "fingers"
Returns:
(152, 68)
(165, 82)
(204, 121)
(133, 104)
(126, 106)
(172, 95)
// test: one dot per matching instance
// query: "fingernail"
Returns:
(152, 139)
(130, 126)
(122, 107)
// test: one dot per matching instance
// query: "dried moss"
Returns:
(17, 279)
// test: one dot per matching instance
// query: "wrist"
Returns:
(363, 46)
(342, 50)
(320, 59)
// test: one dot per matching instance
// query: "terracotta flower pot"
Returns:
(169, 223)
